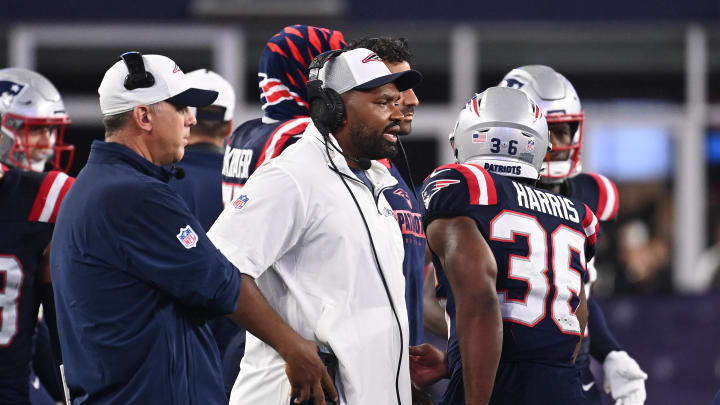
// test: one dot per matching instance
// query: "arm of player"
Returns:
(471, 270)
(305, 370)
(433, 313)
(603, 341)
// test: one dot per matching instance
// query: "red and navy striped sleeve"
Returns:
(279, 139)
(49, 197)
(591, 226)
(608, 198)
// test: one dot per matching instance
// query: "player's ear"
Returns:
(141, 117)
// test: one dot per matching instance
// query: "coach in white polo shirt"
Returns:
(302, 228)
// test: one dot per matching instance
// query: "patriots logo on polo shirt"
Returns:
(187, 237)
(8, 91)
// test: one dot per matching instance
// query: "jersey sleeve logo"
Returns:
(187, 237)
(434, 187)
(240, 201)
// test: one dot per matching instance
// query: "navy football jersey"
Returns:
(408, 213)
(540, 241)
(252, 144)
(29, 204)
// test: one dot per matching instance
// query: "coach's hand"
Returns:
(307, 374)
(428, 364)
(305, 370)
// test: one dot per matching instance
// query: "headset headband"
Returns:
(137, 76)
(319, 62)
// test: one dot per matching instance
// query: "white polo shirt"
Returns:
(296, 229)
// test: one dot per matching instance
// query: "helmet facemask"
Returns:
(555, 170)
(31, 143)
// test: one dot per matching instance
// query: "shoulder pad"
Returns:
(49, 197)
(479, 183)
(608, 197)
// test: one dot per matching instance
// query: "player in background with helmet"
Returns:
(282, 76)
(33, 119)
(33, 132)
(562, 174)
(511, 258)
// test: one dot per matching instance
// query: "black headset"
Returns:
(327, 109)
(137, 76)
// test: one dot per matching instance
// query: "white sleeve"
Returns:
(263, 222)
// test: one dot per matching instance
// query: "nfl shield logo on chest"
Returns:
(187, 237)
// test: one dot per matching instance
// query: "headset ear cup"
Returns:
(336, 115)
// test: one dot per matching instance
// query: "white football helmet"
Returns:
(557, 98)
(29, 103)
(503, 130)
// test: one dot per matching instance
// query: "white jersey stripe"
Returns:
(278, 135)
(590, 229)
(482, 184)
(52, 197)
(611, 198)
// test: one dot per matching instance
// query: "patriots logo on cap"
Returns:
(240, 202)
(8, 91)
(372, 57)
(187, 237)
(433, 187)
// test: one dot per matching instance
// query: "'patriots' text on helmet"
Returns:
(32, 122)
(557, 98)
(503, 130)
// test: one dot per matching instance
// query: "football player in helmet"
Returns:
(32, 114)
(33, 122)
(562, 173)
(510, 258)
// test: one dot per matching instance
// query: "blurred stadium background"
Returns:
(647, 72)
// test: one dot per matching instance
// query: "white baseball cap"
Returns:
(362, 69)
(170, 84)
(209, 80)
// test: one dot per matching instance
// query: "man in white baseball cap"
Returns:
(136, 277)
(202, 164)
(315, 230)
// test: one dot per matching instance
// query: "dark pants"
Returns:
(525, 383)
